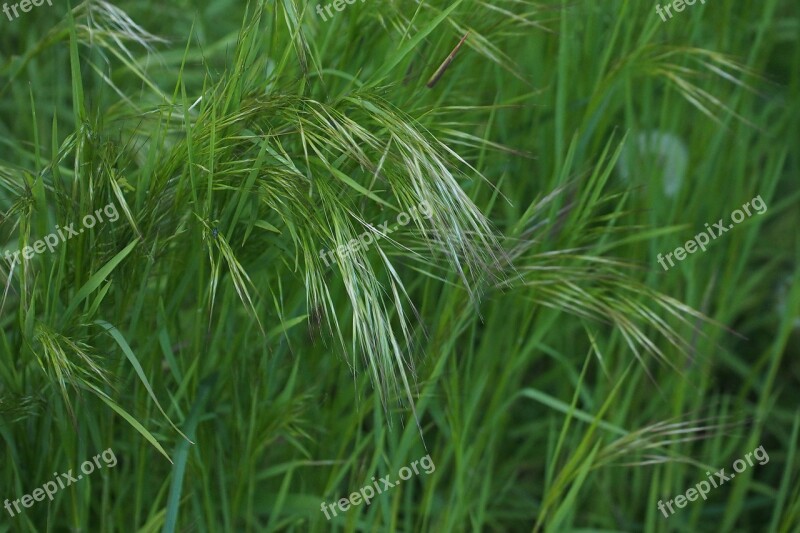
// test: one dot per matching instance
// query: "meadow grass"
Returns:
(524, 336)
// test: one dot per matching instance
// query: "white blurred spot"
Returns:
(665, 152)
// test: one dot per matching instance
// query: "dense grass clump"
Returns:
(306, 254)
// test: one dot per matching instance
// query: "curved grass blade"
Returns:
(126, 349)
(132, 421)
(97, 279)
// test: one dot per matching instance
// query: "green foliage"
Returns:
(523, 334)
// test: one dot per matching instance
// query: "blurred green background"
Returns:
(524, 337)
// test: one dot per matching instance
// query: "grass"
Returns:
(524, 335)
